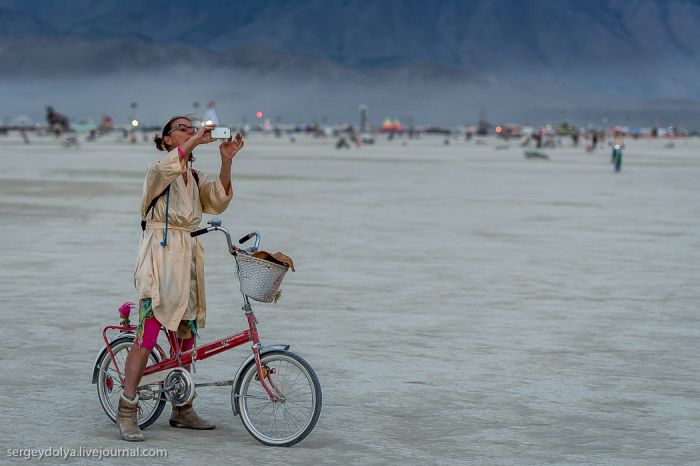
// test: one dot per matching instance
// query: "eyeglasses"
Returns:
(185, 128)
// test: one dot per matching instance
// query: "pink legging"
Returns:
(151, 328)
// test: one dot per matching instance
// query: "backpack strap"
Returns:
(195, 175)
(151, 205)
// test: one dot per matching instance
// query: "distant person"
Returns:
(616, 159)
(58, 123)
(169, 274)
(342, 144)
(355, 137)
(538, 136)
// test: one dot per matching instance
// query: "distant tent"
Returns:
(390, 126)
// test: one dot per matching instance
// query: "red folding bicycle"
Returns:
(275, 392)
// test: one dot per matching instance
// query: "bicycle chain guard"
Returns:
(179, 387)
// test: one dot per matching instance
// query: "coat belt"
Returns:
(150, 225)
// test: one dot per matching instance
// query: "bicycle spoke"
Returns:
(291, 414)
(299, 374)
(114, 395)
(300, 412)
(274, 412)
(292, 405)
(265, 405)
(284, 414)
(121, 363)
(286, 374)
(288, 393)
(295, 421)
(257, 397)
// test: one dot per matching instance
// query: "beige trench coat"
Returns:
(173, 275)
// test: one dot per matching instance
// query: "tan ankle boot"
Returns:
(127, 418)
(184, 416)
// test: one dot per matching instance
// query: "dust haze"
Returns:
(297, 98)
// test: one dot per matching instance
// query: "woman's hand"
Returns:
(230, 147)
(203, 135)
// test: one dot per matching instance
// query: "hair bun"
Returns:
(160, 145)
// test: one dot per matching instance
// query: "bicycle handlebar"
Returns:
(246, 237)
(216, 226)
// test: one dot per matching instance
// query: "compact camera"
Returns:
(221, 133)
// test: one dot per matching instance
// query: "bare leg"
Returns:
(135, 365)
(184, 348)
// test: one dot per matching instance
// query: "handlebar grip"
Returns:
(199, 232)
(246, 238)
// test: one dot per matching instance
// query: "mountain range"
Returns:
(627, 50)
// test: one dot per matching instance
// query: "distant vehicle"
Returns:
(438, 130)
(536, 155)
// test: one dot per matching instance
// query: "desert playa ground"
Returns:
(459, 303)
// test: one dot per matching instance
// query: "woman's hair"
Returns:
(160, 144)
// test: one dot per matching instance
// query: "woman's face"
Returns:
(180, 131)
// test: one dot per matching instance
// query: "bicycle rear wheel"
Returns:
(290, 419)
(109, 387)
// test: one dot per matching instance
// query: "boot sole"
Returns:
(185, 426)
(133, 439)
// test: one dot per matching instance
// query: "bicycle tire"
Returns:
(242, 393)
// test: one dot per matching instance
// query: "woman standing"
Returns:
(169, 275)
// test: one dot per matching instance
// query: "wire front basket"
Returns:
(260, 279)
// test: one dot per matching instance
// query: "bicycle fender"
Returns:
(103, 352)
(249, 359)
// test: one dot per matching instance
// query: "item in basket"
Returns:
(277, 258)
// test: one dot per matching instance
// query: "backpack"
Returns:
(195, 175)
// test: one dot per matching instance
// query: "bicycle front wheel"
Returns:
(293, 416)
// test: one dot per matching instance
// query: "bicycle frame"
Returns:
(156, 373)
